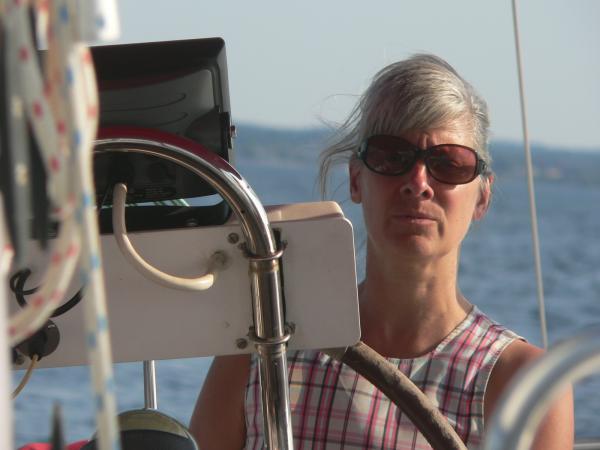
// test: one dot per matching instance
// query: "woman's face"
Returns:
(412, 213)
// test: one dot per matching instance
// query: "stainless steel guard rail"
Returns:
(523, 406)
(269, 332)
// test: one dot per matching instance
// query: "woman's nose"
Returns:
(417, 182)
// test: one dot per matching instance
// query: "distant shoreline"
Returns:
(554, 164)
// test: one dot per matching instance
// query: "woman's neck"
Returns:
(407, 306)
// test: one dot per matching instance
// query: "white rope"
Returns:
(6, 254)
(533, 209)
(81, 119)
(63, 110)
(30, 91)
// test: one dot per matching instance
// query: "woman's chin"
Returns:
(413, 245)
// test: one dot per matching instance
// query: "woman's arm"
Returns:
(557, 429)
(218, 421)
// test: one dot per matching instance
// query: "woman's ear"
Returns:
(485, 197)
(354, 169)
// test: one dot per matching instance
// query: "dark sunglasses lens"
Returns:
(453, 164)
(389, 155)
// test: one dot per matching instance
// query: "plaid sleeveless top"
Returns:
(335, 408)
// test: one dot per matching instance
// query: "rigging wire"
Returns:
(530, 186)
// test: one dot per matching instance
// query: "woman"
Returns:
(416, 147)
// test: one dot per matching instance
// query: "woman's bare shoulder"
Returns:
(557, 429)
(516, 355)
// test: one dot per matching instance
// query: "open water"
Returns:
(496, 273)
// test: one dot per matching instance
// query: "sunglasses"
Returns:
(446, 163)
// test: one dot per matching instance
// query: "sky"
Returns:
(302, 64)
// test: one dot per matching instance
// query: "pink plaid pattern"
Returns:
(335, 408)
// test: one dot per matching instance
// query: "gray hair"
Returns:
(422, 92)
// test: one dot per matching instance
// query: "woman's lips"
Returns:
(414, 218)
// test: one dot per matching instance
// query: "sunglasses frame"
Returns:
(420, 154)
